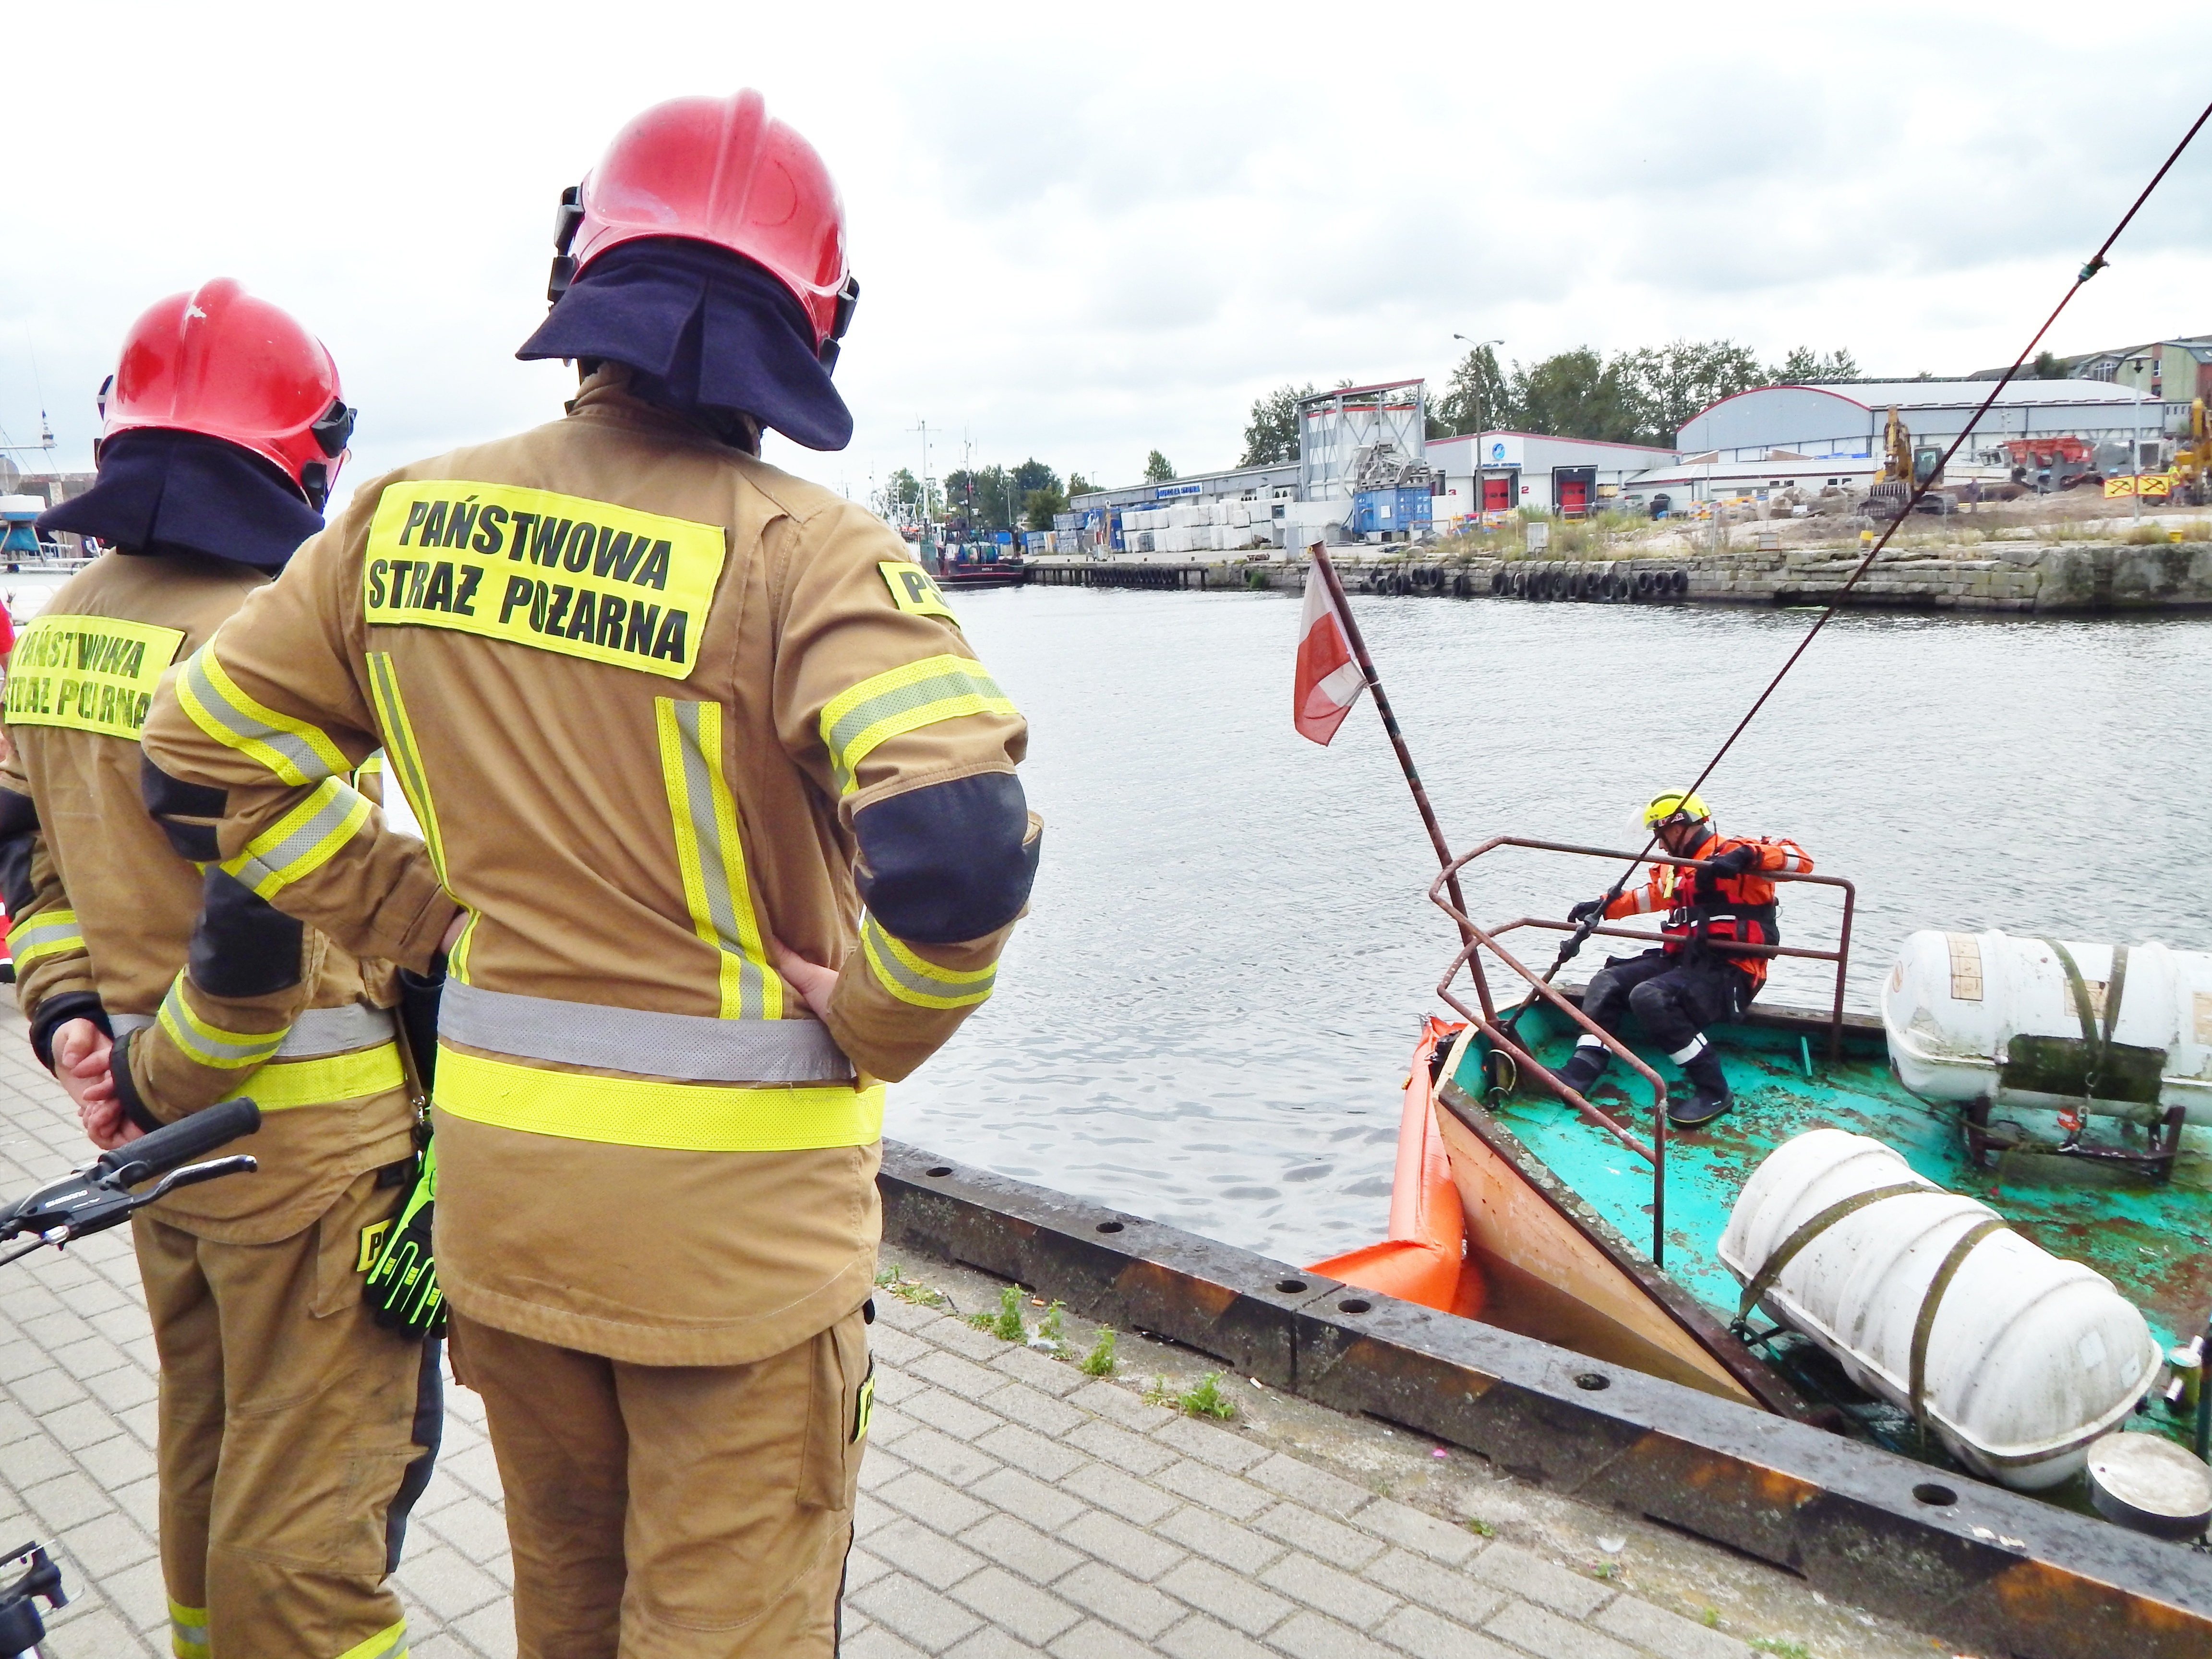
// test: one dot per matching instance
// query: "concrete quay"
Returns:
(2042, 579)
(1010, 1504)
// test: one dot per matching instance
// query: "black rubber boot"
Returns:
(1709, 1096)
(1586, 1067)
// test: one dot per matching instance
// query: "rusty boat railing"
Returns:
(1500, 1033)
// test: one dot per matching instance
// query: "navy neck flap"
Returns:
(704, 332)
(159, 490)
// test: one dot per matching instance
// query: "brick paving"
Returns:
(1009, 1504)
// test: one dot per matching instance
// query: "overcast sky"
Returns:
(1084, 232)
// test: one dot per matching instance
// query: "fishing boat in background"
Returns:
(1992, 1269)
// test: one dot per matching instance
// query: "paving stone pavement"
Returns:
(1009, 1504)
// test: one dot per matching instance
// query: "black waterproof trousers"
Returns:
(1675, 997)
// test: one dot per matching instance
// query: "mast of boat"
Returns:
(1351, 634)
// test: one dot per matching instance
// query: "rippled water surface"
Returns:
(1206, 1016)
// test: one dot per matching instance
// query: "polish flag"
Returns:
(1329, 680)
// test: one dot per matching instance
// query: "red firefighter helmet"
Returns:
(725, 171)
(220, 362)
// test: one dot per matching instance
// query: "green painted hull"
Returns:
(2151, 1239)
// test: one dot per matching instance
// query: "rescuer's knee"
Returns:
(947, 862)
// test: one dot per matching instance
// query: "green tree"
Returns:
(1477, 399)
(1032, 475)
(1158, 469)
(2049, 366)
(1271, 437)
(1665, 386)
(900, 497)
(1804, 365)
(1039, 505)
(1079, 485)
(1575, 394)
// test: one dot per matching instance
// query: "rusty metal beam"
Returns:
(1974, 1562)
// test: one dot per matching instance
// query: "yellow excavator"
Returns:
(2192, 461)
(1905, 468)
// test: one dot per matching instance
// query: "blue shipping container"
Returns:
(1374, 510)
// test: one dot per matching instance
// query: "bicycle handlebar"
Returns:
(174, 1145)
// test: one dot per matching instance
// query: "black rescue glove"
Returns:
(401, 1288)
(1734, 862)
(1587, 910)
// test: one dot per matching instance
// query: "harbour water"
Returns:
(1207, 1014)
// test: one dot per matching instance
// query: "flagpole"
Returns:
(1320, 553)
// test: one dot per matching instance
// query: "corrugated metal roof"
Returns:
(1946, 394)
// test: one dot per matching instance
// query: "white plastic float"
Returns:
(1987, 1015)
(2028, 1359)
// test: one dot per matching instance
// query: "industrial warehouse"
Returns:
(1368, 470)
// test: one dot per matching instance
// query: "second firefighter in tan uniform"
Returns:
(636, 685)
(288, 1422)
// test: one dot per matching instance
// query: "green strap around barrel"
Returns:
(2099, 1049)
(1924, 1326)
(1763, 1280)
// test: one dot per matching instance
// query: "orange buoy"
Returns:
(1425, 1258)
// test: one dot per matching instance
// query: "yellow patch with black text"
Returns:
(371, 1240)
(913, 592)
(91, 673)
(558, 573)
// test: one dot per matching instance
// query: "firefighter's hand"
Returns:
(813, 982)
(1587, 910)
(82, 1052)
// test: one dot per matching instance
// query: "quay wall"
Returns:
(2039, 579)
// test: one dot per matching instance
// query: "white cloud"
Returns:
(1080, 234)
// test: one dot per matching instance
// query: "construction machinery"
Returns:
(2192, 461)
(1906, 468)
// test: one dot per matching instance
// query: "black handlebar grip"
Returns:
(174, 1145)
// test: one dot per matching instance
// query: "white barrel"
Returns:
(1957, 1007)
(2030, 1358)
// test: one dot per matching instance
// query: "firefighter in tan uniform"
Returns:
(294, 1434)
(680, 729)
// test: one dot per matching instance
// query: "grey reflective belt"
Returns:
(314, 1033)
(692, 1047)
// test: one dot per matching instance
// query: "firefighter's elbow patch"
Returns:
(243, 946)
(170, 801)
(947, 862)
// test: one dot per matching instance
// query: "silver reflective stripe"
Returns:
(317, 1030)
(245, 728)
(337, 1031)
(730, 929)
(1690, 1050)
(653, 1044)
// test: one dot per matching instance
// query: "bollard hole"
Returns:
(1109, 1226)
(1355, 1305)
(1594, 1381)
(938, 1169)
(1290, 1286)
(1938, 1497)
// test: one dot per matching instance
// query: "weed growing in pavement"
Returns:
(893, 1279)
(1049, 1335)
(1100, 1361)
(1780, 1648)
(1710, 1618)
(1006, 1323)
(1206, 1400)
(1476, 1525)
(1607, 1570)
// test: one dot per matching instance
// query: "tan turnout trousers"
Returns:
(287, 1458)
(751, 1470)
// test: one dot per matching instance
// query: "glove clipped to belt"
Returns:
(402, 1289)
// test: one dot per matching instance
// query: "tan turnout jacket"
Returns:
(634, 685)
(114, 907)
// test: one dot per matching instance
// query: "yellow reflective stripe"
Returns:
(456, 960)
(910, 978)
(303, 840)
(626, 1111)
(712, 857)
(46, 934)
(294, 751)
(390, 1642)
(210, 1045)
(406, 757)
(188, 1632)
(902, 700)
(326, 1080)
